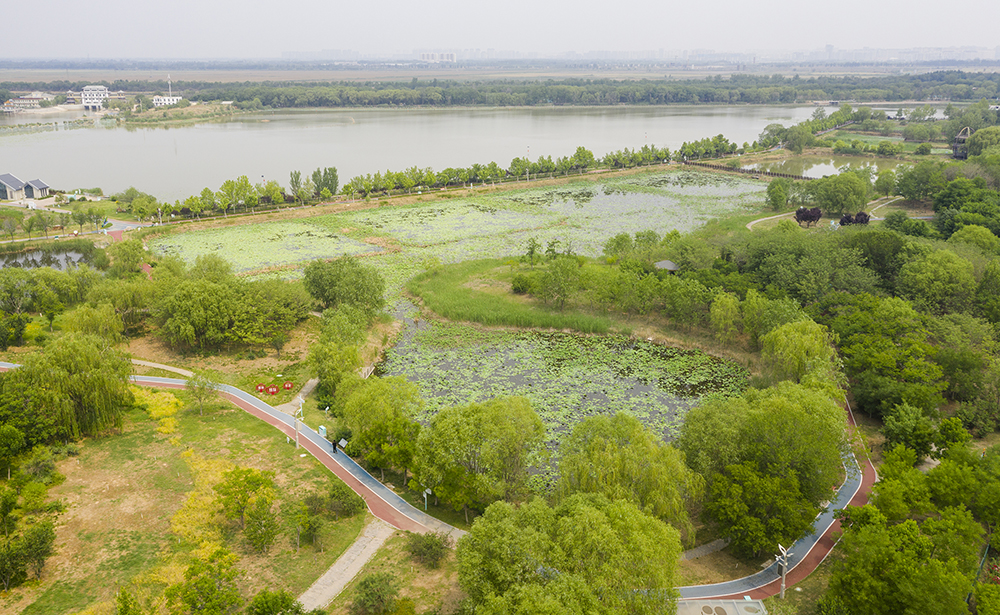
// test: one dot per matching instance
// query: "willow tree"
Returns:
(91, 378)
(619, 458)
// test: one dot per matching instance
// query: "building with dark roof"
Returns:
(36, 189)
(11, 188)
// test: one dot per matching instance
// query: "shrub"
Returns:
(41, 465)
(376, 594)
(428, 549)
(521, 284)
(343, 502)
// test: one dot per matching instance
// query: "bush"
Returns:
(428, 549)
(343, 502)
(70, 449)
(41, 465)
(376, 594)
(521, 284)
(979, 416)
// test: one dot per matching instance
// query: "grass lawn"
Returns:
(125, 497)
(429, 590)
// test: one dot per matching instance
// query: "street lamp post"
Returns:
(783, 566)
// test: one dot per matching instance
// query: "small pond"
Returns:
(57, 259)
(566, 377)
(820, 166)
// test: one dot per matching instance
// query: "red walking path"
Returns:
(395, 511)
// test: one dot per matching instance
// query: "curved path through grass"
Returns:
(809, 551)
(806, 554)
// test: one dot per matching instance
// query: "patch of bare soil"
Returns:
(715, 568)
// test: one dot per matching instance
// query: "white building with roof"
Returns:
(165, 101)
(93, 97)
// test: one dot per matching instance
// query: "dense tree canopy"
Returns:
(345, 280)
(620, 459)
(588, 555)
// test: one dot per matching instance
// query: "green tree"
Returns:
(30, 225)
(39, 541)
(907, 426)
(533, 252)
(725, 317)
(472, 455)
(838, 194)
(238, 489)
(620, 459)
(606, 557)
(102, 322)
(380, 415)
(890, 569)
(127, 604)
(777, 193)
(798, 348)
(345, 281)
(295, 183)
(279, 602)
(757, 511)
(126, 258)
(8, 510)
(987, 297)
(979, 236)
(199, 314)
(376, 594)
(885, 183)
(262, 526)
(13, 564)
(763, 427)
(201, 389)
(80, 218)
(90, 379)
(983, 139)
(209, 586)
(559, 282)
(11, 443)
(326, 179)
(940, 282)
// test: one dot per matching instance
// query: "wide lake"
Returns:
(175, 162)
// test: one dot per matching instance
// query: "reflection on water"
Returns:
(176, 163)
(30, 260)
(821, 166)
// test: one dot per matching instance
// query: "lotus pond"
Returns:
(567, 378)
(256, 246)
(582, 215)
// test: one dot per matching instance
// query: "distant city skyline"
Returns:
(258, 29)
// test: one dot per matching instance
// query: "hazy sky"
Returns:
(266, 29)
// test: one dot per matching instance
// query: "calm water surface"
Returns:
(56, 259)
(173, 163)
(820, 166)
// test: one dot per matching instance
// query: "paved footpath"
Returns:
(808, 552)
(805, 555)
(347, 566)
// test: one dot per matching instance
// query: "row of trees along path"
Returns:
(805, 555)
